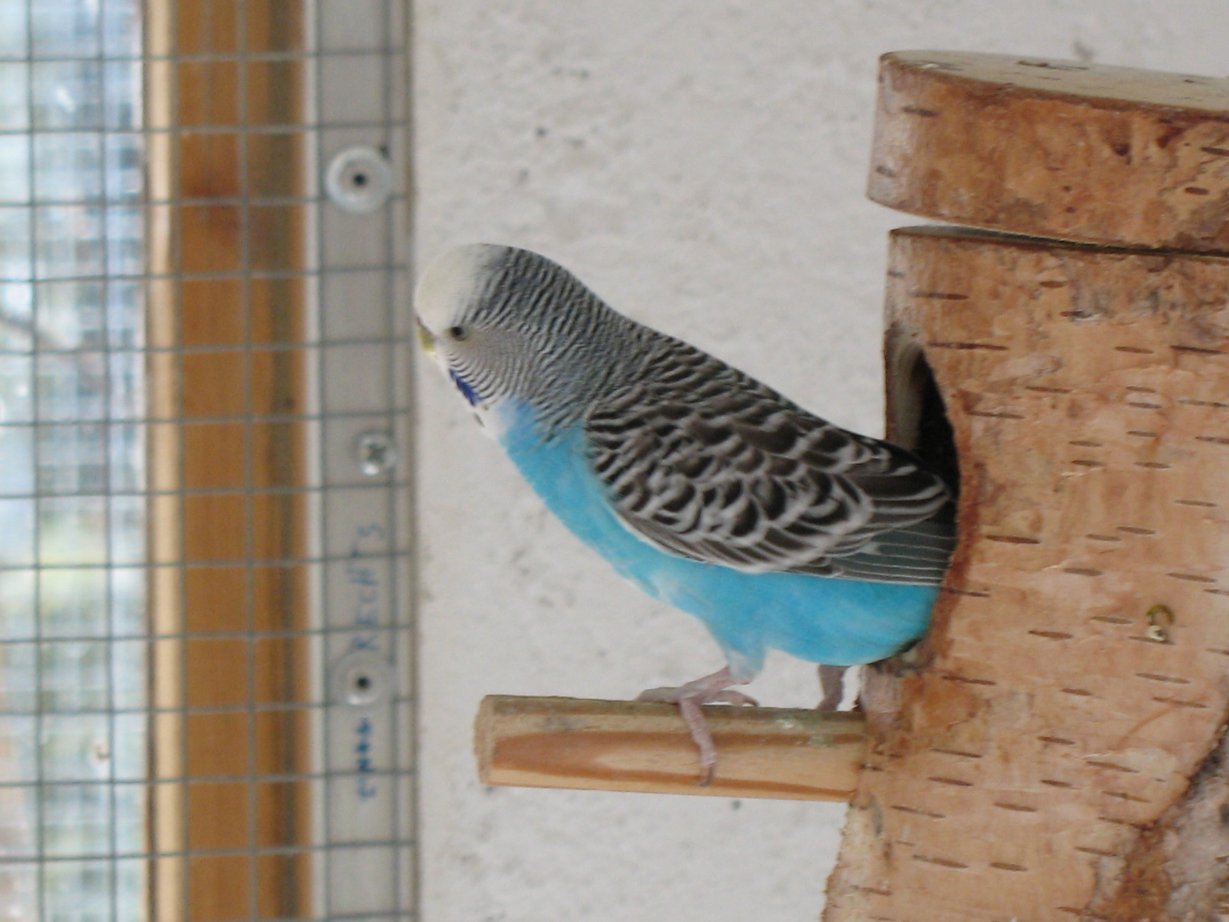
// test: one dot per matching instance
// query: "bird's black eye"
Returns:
(458, 333)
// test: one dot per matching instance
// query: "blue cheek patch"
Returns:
(463, 386)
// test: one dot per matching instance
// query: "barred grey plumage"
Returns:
(698, 458)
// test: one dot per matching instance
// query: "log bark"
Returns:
(1039, 764)
(1061, 149)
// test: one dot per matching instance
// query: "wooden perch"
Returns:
(645, 747)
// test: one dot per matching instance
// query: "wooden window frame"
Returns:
(227, 183)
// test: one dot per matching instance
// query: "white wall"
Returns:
(701, 163)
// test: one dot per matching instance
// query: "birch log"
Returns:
(1039, 764)
(1062, 149)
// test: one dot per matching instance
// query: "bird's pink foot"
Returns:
(711, 689)
(832, 684)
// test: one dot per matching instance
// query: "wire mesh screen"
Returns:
(72, 603)
(205, 672)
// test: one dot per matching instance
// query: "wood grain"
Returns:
(230, 721)
(1021, 772)
(645, 747)
(1060, 149)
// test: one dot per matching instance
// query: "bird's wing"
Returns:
(705, 462)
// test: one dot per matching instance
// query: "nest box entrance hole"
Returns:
(917, 416)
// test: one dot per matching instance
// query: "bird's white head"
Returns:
(446, 290)
(445, 300)
(508, 323)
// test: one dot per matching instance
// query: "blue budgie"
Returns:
(708, 489)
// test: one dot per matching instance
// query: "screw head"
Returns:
(362, 680)
(1160, 619)
(359, 180)
(376, 453)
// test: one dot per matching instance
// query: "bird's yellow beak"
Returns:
(426, 340)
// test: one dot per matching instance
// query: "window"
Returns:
(73, 739)
(205, 709)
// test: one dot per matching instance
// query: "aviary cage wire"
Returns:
(205, 627)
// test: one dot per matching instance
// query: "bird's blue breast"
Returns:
(825, 620)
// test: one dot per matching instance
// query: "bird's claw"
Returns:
(674, 694)
(832, 684)
(730, 696)
(712, 689)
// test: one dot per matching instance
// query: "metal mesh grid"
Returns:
(69, 209)
(198, 720)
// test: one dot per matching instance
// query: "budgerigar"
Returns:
(705, 487)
